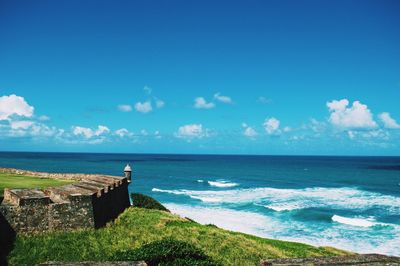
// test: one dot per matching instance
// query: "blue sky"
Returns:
(268, 77)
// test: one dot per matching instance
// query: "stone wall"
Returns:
(361, 259)
(89, 203)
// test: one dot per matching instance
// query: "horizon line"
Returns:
(202, 154)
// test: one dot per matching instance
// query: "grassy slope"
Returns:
(137, 226)
(19, 181)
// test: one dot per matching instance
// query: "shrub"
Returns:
(144, 201)
(166, 252)
(212, 225)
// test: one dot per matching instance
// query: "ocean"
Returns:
(351, 203)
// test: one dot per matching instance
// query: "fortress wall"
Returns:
(90, 203)
(111, 204)
(27, 219)
(76, 214)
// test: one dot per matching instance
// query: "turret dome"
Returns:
(128, 168)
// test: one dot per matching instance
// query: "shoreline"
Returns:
(231, 224)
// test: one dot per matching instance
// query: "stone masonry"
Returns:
(89, 203)
(351, 260)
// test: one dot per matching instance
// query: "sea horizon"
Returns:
(354, 201)
(205, 154)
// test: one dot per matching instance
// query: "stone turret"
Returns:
(128, 172)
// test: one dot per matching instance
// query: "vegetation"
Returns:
(146, 202)
(8, 180)
(166, 252)
(137, 227)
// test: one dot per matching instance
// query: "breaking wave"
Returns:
(222, 183)
(184, 192)
(363, 239)
(362, 222)
(283, 207)
(294, 199)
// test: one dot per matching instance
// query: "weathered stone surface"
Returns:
(91, 263)
(23, 197)
(89, 203)
(367, 259)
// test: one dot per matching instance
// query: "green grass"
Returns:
(19, 181)
(137, 226)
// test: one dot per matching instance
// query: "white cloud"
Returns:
(222, 98)
(42, 130)
(316, 125)
(249, 131)
(157, 134)
(200, 103)
(351, 134)
(84, 131)
(148, 90)
(160, 103)
(122, 132)
(379, 134)
(101, 130)
(191, 131)
(271, 125)
(296, 138)
(96, 141)
(263, 100)
(20, 124)
(143, 132)
(356, 116)
(89, 133)
(144, 107)
(44, 118)
(14, 105)
(388, 121)
(32, 129)
(125, 108)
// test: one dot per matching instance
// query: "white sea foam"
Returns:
(283, 207)
(200, 180)
(290, 199)
(234, 220)
(355, 234)
(359, 239)
(222, 183)
(205, 199)
(354, 221)
(200, 197)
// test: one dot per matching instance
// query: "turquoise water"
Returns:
(345, 202)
